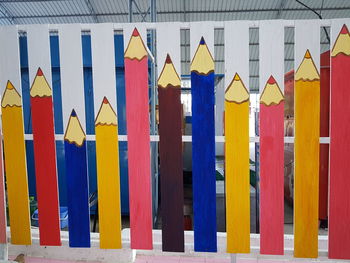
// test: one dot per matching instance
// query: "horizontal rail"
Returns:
(185, 138)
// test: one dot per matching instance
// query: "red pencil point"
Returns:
(168, 59)
(105, 100)
(39, 72)
(344, 30)
(135, 33)
(271, 80)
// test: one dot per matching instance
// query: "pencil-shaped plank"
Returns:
(108, 182)
(77, 183)
(136, 90)
(237, 167)
(339, 195)
(307, 129)
(203, 149)
(15, 162)
(271, 168)
(45, 161)
(170, 152)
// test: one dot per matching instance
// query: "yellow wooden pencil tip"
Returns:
(307, 54)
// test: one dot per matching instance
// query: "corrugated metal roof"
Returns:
(99, 11)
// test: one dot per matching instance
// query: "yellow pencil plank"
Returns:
(237, 167)
(16, 174)
(108, 178)
(307, 130)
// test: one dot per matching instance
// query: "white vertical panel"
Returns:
(129, 28)
(38, 40)
(336, 26)
(72, 80)
(307, 36)
(236, 51)
(103, 65)
(271, 52)
(199, 30)
(168, 41)
(9, 58)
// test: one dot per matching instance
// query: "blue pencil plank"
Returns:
(203, 162)
(77, 184)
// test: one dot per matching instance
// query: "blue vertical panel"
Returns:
(203, 162)
(121, 111)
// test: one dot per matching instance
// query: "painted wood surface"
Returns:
(108, 179)
(306, 169)
(137, 115)
(203, 150)
(271, 169)
(77, 183)
(13, 136)
(45, 160)
(237, 184)
(271, 72)
(339, 195)
(14, 150)
(106, 130)
(170, 153)
(3, 221)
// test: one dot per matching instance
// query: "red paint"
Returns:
(45, 170)
(2, 200)
(39, 72)
(339, 193)
(137, 116)
(271, 80)
(324, 132)
(105, 100)
(344, 30)
(271, 179)
(135, 33)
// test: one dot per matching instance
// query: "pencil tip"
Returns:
(39, 72)
(307, 54)
(271, 80)
(135, 33)
(168, 59)
(236, 77)
(73, 114)
(202, 42)
(105, 100)
(344, 30)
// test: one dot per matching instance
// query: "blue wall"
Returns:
(89, 109)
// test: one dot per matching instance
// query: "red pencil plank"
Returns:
(271, 169)
(339, 194)
(136, 89)
(45, 161)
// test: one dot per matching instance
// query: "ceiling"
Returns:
(99, 11)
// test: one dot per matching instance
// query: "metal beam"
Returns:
(6, 14)
(280, 8)
(181, 12)
(92, 11)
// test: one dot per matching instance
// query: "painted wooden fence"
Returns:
(236, 138)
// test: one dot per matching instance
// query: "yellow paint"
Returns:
(236, 91)
(169, 76)
(136, 48)
(237, 176)
(271, 95)
(342, 44)
(306, 169)
(107, 156)
(202, 61)
(15, 169)
(307, 69)
(40, 87)
(74, 132)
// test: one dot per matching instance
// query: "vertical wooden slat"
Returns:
(306, 145)
(108, 182)
(137, 115)
(271, 74)
(14, 146)
(339, 195)
(237, 137)
(72, 87)
(43, 134)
